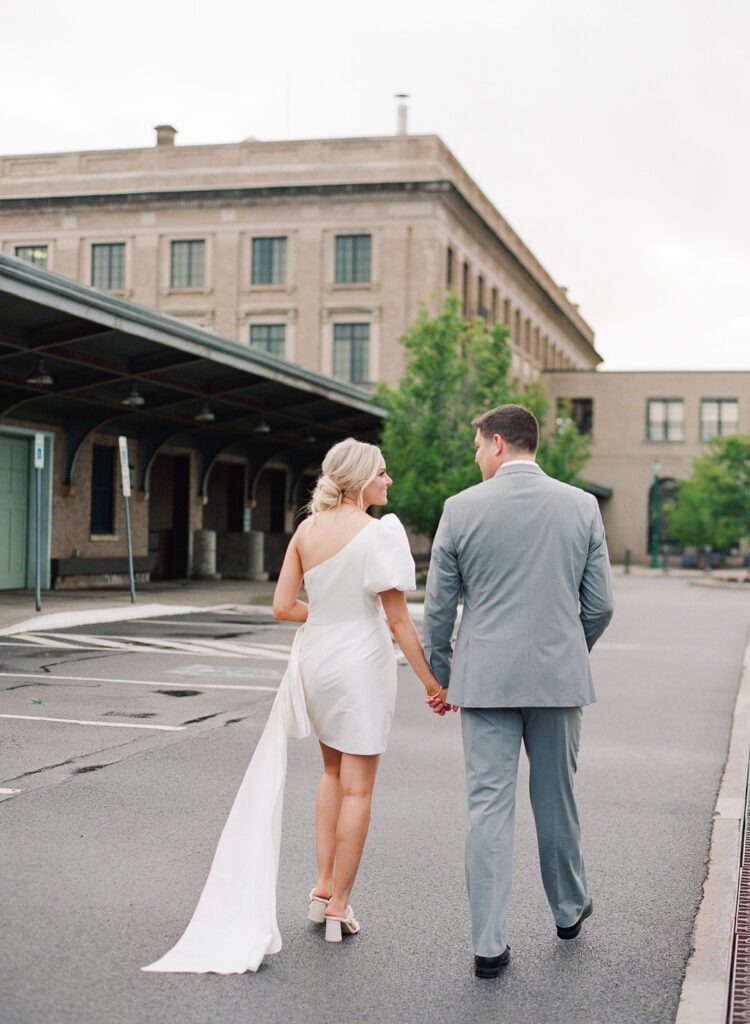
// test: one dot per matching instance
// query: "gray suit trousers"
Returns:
(492, 741)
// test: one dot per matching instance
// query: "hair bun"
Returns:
(347, 467)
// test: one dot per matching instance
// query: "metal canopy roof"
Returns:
(97, 347)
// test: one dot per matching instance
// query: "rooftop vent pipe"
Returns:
(402, 113)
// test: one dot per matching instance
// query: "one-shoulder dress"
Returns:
(347, 661)
(341, 679)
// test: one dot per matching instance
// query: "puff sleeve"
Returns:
(389, 565)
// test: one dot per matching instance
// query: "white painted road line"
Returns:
(156, 645)
(206, 645)
(107, 725)
(201, 622)
(137, 682)
(9, 792)
(82, 647)
(123, 649)
(109, 643)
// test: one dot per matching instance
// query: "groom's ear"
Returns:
(498, 444)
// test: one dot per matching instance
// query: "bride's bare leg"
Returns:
(357, 779)
(327, 808)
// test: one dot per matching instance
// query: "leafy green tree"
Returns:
(713, 504)
(455, 369)
(565, 451)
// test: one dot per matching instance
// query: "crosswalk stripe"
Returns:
(107, 725)
(137, 682)
(158, 645)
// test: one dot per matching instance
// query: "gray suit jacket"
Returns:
(530, 556)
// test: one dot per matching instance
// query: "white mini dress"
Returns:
(347, 661)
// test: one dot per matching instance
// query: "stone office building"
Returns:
(316, 251)
(307, 260)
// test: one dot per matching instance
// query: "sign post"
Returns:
(125, 477)
(38, 469)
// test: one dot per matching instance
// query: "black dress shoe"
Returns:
(570, 933)
(489, 966)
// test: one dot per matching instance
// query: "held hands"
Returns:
(438, 702)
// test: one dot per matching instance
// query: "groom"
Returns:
(529, 555)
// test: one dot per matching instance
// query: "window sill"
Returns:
(352, 286)
(103, 538)
(252, 288)
(187, 291)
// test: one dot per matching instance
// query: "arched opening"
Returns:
(662, 495)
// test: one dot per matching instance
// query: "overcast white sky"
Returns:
(612, 134)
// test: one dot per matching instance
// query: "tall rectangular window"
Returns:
(719, 417)
(37, 255)
(506, 313)
(269, 261)
(480, 297)
(269, 338)
(449, 268)
(665, 419)
(465, 290)
(188, 264)
(108, 266)
(351, 352)
(103, 489)
(353, 258)
(493, 306)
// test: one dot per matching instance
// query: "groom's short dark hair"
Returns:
(516, 425)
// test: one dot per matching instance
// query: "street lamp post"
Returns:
(655, 515)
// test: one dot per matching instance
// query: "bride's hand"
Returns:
(438, 701)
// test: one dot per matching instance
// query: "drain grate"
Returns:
(739, 1004)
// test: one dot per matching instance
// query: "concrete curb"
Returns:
(704, 998)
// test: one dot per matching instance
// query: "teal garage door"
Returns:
(15, 457)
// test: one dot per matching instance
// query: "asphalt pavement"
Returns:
(123, 792)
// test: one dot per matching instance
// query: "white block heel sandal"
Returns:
(317, 911)
(336, 925)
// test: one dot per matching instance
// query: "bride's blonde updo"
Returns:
(348, 468)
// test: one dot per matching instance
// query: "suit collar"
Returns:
(518, 466)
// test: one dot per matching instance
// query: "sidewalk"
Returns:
(17, 606)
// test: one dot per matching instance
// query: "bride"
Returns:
(341, 679)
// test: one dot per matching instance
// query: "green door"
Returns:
(15, 457)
